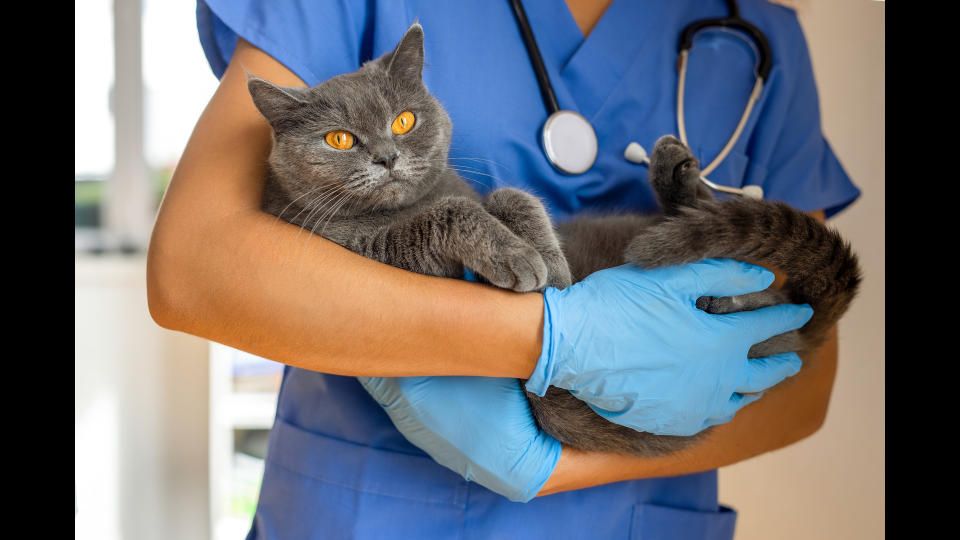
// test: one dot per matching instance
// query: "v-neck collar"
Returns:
(584, 71)
(574, 40)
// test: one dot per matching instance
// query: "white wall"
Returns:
(831, 485)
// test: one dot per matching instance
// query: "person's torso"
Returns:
(336, 466)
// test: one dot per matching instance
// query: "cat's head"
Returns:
(375, 136)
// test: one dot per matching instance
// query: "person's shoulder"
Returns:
(775, 12)
(781, 25)
(315, 39)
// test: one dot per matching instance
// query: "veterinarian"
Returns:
(337, 465)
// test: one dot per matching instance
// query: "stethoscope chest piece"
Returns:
(569, 142)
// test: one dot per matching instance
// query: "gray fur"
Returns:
(394, 199)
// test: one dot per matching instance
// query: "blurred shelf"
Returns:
(249, 410)
(243, 398)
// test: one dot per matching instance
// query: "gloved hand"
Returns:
(632, 344)
(480, 427)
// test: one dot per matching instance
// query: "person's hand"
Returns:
(480, 427)
(632, 344)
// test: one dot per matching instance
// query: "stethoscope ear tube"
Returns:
(736, 22)
(754, 192)
(763, 65)
(681, 124)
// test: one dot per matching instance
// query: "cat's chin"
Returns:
(392, 192)
(388, 178)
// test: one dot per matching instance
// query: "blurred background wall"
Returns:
(831, 485)
(169, 429)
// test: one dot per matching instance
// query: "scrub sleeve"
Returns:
(336, 467)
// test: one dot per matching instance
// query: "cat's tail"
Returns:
(821, 268)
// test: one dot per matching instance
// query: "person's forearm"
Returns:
(789, 412)
(265, 287)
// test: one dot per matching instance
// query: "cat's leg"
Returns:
(593, 243)
(525, 215)
(821, 268)
(454, 232)
(675, 176)
(790, 341)
(573, 423)
(693, 236)
(744, 302)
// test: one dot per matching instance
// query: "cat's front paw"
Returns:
(515, 265)
(526, 217)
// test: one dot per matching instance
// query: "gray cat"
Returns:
(363, 157)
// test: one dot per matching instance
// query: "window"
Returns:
(93, 121)
(140, 86)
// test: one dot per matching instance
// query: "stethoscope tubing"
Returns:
(682, 128)
(539, 68)
(634, 151)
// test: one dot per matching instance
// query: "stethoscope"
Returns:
(569, 140)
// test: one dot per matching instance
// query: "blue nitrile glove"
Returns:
(480, 427)
(632, 344)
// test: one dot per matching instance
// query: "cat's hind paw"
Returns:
(743, 302)
(675, 175)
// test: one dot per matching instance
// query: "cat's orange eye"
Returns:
(341, 140)
(403, 123)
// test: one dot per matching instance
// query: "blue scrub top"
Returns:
(336, 467)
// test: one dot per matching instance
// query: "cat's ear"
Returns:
(406, 61)
(279, 105)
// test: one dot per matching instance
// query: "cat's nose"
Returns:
(387, 159)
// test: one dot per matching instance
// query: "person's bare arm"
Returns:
(220, 268)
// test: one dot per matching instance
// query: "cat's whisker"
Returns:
(497, 163)
(279, 215)
(474, 171)
(467, 169)
(345, 202)
(331, 199)
(331, 210)
(325, 194)
(492, 162)
(479, 183)
(317, 204)
(465, 158)
(464, 168)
